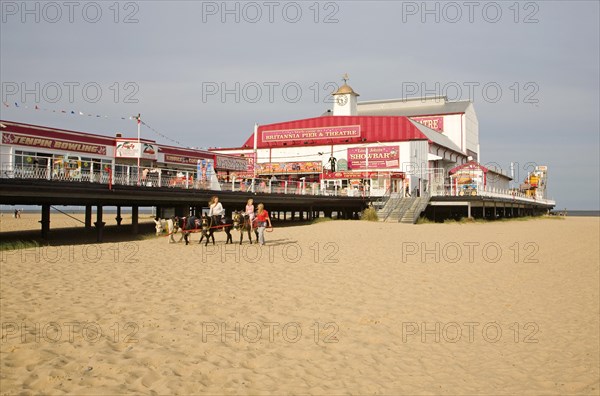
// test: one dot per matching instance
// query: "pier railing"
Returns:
(127, 176)
(491, 192)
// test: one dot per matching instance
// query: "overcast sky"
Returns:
(202, 73)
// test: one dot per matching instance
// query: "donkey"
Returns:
(241, 223)
(160, 225)
(210, 226)
(191, 224)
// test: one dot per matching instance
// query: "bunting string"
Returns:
(85, 114)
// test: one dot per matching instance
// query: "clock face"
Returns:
(342, 100)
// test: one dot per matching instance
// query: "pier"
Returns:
(182, 201)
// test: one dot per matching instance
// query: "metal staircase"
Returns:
(411, 215)
(402, 209)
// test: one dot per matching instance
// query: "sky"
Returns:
(202, 73)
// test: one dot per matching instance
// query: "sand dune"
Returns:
(330, 308)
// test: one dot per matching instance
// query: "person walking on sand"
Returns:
(250, 212)
(262, 220)
(216, 210)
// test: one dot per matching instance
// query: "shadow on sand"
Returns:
(76, 236)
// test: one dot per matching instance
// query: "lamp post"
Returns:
(139, 147)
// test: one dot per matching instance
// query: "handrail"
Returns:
(421, 207)
(127, 175)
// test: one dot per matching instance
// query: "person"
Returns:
(407, 191)
(332, 161)
(216, 211)
(262, 220)
(250, 211)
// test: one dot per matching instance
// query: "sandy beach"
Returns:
(338, 307)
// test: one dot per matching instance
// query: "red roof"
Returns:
(372, 129)
(471, 165)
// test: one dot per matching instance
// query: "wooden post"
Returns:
(45, 221)
(88, 217)
(134, 219)
(99, 224)
(118, 218)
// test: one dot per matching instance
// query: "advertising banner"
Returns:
(300, 135)
(380, 157)
(231, 163)
(55, 144)
(132, 149)
(289, 167)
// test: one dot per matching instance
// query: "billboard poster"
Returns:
(380, 157)
(231, 163)
(132, 149)
(289, 167)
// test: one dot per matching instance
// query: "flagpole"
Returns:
(139, 147)
(255, 155)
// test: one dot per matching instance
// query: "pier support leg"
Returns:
(99, 224)
(45, 221)
(88, 217)
(468, 210)
(134, 219)
(495, 211)
(118, 218)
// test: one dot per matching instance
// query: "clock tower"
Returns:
(344, 100)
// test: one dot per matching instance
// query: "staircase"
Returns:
(411, 215)
(402, 209)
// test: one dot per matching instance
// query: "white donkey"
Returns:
(160, 226)
(171, 225)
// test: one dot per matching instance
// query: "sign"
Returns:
(289, 167)
(301, 135)
(180, 159)
(54, 144)
(435, 123)
(342, 165)
(231, 163)
(133, 149)
(349, 175)
(380, 157)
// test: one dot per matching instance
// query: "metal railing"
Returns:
(127, 176)
(450, 191)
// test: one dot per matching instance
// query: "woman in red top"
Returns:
(262, 219)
